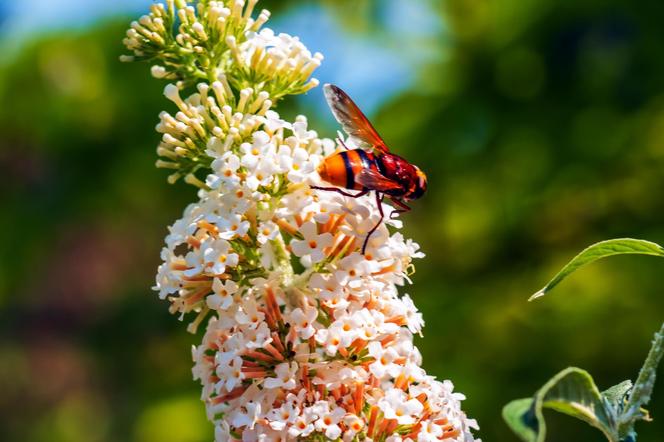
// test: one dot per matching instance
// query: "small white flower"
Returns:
(267, 231)
(303, 321)
(414, 319)
(260, 148)
(332, 339)
(396, 405)
(384, 359)
(284, 377)
(353, 268)
(247, 415)
(303, 425)
(281, 417)
(218, 255)
(232, 227)
(229, 371)
(429, 432)
(328, 420)
(262, 174)
(249, 314)
(310, 249)
(354, 424)
(226, 171)
(223, 294)
(330, 291)
(273, 122)
(347, 327)
(258, 337)
(297, 165)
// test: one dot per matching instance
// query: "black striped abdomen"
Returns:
(341, 168)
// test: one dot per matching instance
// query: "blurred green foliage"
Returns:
(540, 125)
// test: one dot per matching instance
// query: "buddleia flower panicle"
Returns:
(306, 337)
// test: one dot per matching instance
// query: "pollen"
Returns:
(313, 244)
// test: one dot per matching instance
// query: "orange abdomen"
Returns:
(341, 168)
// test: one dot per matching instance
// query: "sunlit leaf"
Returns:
(572, 392)
(620, 246)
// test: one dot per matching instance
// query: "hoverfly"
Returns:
(371, 167)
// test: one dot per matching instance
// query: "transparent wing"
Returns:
(351, 118)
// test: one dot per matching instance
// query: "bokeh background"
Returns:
(540, 124)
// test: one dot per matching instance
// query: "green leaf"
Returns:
(520, 418)
(617, 395)
(572, 392)
(600, 250)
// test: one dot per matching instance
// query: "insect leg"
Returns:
(341, 140)
(379, 202)
(403, 208)
(336, 189)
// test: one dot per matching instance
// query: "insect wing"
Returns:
(371, 179)
(351, 118)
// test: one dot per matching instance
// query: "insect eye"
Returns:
(421, 186)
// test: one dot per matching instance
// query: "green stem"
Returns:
(283, 261)
(642, 389)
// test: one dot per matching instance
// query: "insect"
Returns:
(371, 167)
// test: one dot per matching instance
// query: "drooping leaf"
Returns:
(572, 392)
(600, 250)
(520, 417)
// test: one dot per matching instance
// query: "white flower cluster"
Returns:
(276, 63)
(309, 338)
(210, 120)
